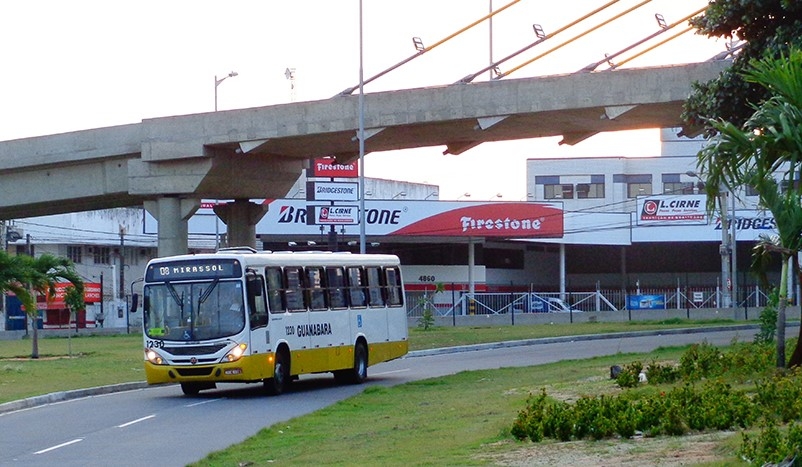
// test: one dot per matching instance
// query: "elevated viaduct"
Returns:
(169, 164)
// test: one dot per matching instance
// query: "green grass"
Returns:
(461, 419)
(103, 360)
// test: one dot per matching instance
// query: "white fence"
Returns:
(463, 304)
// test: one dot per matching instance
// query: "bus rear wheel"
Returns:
(359, 373)
(281, 375)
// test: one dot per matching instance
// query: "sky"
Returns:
(82, 64)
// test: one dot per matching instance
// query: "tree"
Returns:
(751, 154)
(14, 275)
(40, 276)
(74, 299)
(769, 27)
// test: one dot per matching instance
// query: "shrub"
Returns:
(628, 376)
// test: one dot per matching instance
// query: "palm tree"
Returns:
(14, 276)
(769, 143)
(42, 274)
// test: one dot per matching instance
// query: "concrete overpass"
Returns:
(168, 164)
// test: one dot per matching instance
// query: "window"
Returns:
(335, 281)
(638, 189)
(75, 253)
(589, 190)
(356, 286)
(374, 275)
(102, 255)
(678, 188)
(393, 281)
(315, 293)
(293, 292)
(256, 301)
(558, 191)
(275, 290)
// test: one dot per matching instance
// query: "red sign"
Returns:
(328, 167)
(92, 294)
(508, 220)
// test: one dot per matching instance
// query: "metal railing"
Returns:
(464, 303)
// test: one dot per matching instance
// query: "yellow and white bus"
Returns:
(239, 315)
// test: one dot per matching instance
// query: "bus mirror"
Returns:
(254, 286)
(134, 303)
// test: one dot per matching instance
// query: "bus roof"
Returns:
(251, 257)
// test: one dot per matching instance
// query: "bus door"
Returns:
(257, 312)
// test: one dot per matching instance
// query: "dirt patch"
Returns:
(660, 451)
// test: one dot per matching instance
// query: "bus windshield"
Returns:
(193, 311)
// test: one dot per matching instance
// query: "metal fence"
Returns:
(464, 303)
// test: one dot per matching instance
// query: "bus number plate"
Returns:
(155, 344)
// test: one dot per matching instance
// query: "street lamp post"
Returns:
(727, 283)
(217, 83)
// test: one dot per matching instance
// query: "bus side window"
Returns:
(374, 274)
(275, 290)
(393, 281)
(335, 283)
(315, 294)
(256, 301)
(356, 286)
(294, 291)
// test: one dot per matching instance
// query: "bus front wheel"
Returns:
(359, 373)
(281, 375)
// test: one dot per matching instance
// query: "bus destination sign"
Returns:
(193, 269)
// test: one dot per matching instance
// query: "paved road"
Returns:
(159, 426)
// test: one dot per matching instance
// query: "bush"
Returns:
(715, 405)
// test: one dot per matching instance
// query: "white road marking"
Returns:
(203, 402)
(135, 421)
(78, 440)
(390, 372)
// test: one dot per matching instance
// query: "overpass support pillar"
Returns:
(172, 213)
(241, 218)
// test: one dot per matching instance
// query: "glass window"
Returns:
(589, 190)
(356, 286)
(395, 297)
(102, 255)
(558, 191)
(315, 293)
(192, 311)
(638, 189)
(75, 253)
(678, 188)
(293, 292)
(335, 281)
(374, 274)
(275, 290)
(256, 302)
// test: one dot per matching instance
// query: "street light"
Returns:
(434, 193)
(464, 195)
(402, 194)
(728, 271)
(217, 83)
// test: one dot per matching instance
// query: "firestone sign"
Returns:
(419, 218)
(329, 167)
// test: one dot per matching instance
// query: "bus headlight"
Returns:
(236, 353)
(153, 357)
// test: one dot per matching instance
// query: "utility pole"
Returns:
(726, 281)
(122, 262)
